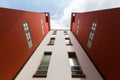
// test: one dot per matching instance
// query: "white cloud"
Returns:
(63, 21)
(57, 25)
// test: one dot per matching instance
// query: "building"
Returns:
(97, 32)
(30, 50)
(20, 34)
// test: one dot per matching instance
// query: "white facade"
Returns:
(59, 67)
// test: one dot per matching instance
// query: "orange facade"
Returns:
(14, 50)
(104, 50)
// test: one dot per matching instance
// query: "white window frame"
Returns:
(91, 35)
(27, 34)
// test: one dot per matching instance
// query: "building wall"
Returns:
(14, 50)
(104, 51)
(59, 67)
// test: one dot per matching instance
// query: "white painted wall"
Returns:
(59, 68)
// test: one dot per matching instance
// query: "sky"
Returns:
(60, 10)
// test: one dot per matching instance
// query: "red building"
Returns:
(16, 44)
(98, 33)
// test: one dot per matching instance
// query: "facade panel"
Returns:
(59, 67)
(15, 47)
(103, 46)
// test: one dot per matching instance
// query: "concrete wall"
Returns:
(59, 67)
(104, 51)
(14, 50)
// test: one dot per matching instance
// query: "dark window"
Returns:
(73, 17)
(46, 17)
(43, 67)
(76, 69)
(54, 33)
(68, 42)
(52, 41)
(65, 33)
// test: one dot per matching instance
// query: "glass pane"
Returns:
(67, 41)
(43, 68)
(41, 72)
(77, 72)
(73, 62)
(52, 41)
(54, 33)
(75, 66)
(45, 60)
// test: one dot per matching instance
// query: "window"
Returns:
(65, 33)
(91, 35)
(52, 40)
(68, 42)
(44, 65)
(46, 14)
(42, 26)
(27, 34)
(77, 27)
(73, 17)
(76, 69)
(54, 33)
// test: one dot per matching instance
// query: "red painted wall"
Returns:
(105, 51)
(14, 50)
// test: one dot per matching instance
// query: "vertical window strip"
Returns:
(77, 27)
(76, 69)
(44, 65)
(27, 34)
(91, 35)
(46, 14)
(73, 17)
(42, 26)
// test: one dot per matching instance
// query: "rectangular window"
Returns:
(73, 17)
(76, 69)
(78, 25)
(91, 35)
(68, 42)
(65, 33)
(27, 34)
(46, 17)
(54, 33)
(43, 67)
(52, 41)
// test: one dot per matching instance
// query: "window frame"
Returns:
(54, 33)
(68, 44)
(76, 70)
(27, 34)
(51, 42)
(65, 33)
(43, 68)
(92, 34)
